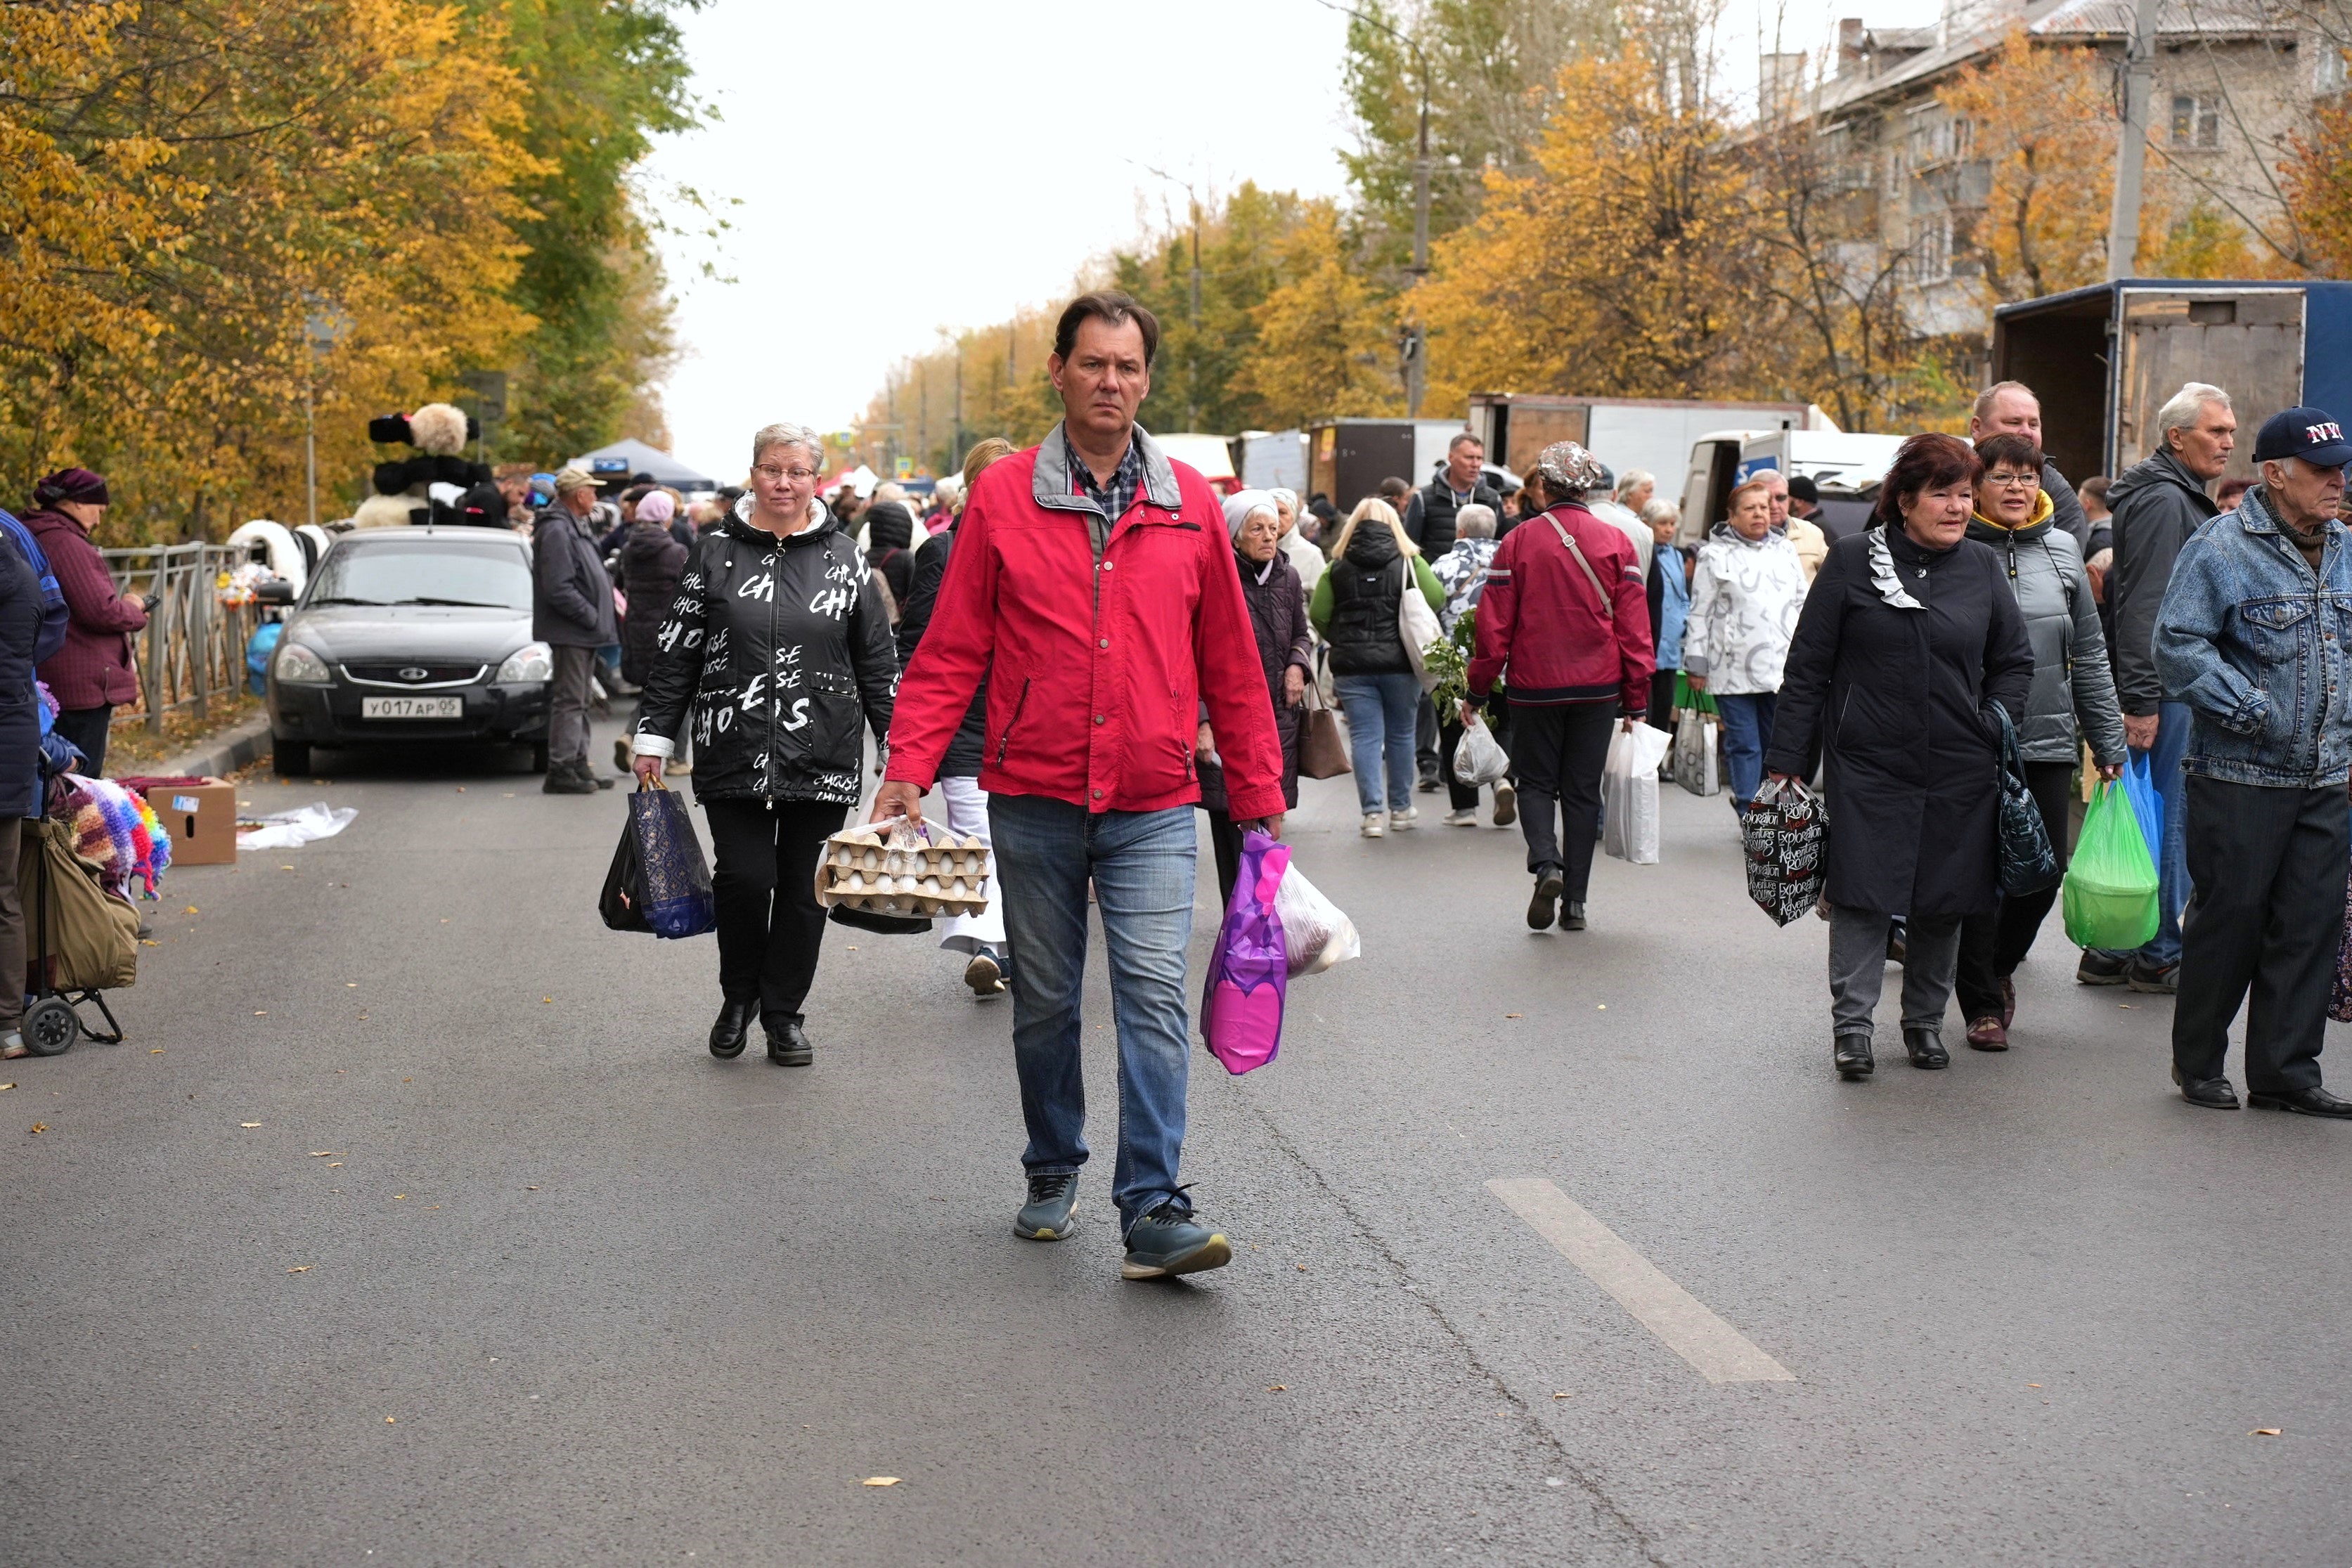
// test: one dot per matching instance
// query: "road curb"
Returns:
(222, 755)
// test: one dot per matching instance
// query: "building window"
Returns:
(2330, 75)
(1928, 257)
(2196, 121)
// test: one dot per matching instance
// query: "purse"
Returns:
(2027, 861)
(1322, 745)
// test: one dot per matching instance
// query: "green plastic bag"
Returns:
(2109, 895)
(1685, 698)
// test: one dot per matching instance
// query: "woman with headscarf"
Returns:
(889, 533)
(1565, 620)
(1298, 547)
(1357, 607)
(1277, 608)
(1909, 640)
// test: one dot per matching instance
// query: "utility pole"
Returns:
(2131, 152)
(1416, 345)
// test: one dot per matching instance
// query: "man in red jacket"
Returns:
(1093, 582)
(94, 670)
(1565, 613)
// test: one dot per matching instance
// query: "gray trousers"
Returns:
(1858, 968)
(567, 705)
(2266, 916)
(12, 927)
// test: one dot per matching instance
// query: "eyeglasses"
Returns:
(772, 473)
(2014, 480)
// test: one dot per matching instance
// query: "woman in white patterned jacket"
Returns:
(1745, 595)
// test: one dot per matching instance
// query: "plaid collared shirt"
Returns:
(1114, 498)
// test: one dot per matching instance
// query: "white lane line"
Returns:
(1721, 1352)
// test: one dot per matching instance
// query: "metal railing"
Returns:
(194, 647)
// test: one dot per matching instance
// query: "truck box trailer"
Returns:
(2104, 359)
(1625, 433)
(1348, 458)
(1274, 460)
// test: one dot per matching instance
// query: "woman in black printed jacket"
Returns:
(779, 642)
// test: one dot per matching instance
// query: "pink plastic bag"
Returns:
(1241, 1006)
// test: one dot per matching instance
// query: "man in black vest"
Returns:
(1429, 523)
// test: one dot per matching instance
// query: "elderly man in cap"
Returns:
(571, 613)
(2251, 635)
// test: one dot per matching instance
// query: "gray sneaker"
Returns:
(1052, 1210)
(1171, 1241)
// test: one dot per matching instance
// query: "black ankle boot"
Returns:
(788, 1047)
(1852, 1056)
(1926, 1048)
(734, 1026)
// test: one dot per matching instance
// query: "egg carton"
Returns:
(888, 868)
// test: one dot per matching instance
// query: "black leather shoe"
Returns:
(1926, 1048)
(1852, 1055)
(2213, 1093)
(2312, 1102)
(788, 1047)
(1541, 907)
(727, 1036)
(1572, 917)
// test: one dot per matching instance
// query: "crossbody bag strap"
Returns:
(1608, 608)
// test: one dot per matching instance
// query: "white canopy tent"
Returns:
(625, 458)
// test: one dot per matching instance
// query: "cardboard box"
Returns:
(201, 819)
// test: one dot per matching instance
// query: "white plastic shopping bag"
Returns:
(1694, 744)
(1629, 794)
(1315, 933)
(1478, 756)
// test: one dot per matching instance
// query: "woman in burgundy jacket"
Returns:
(94, 671)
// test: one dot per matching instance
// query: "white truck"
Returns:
(1649, 434)
(1846, 466)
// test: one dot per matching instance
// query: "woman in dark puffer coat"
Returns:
(778, 644)
(1277, 608)
(651, 558)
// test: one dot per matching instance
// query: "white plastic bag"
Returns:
(1315, 933)
(1629, 794)
(1695, 767)
(1478, 756)
(291, 830)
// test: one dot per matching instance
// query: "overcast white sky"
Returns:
(906, 165)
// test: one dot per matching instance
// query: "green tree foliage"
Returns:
(601, 78)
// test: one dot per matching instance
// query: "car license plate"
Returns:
(412, 708)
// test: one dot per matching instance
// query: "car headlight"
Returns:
(532, 662)
(297, 665)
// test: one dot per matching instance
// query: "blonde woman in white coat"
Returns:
(1745, 591)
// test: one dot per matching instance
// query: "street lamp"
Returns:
(1416, 346)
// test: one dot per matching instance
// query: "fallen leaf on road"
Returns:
(2266, 1432)
(146, 942)
(40, 1127)
(1278, 1389)
(321, 1153)
(2033, 1385)
(156, 1051)
(1563, 1396)
(350, 985)
(261, 1012)
(1302, 1268)
(408, 1080)
(879, 1481)
(530, 1189)
(2126, 1006)
(249, 1123)
(190, 910)
(432, 1205)
(400, 1197)
(4, 1087)
(461, 788)
(1514, 1015)
(303, 1269)
(286, 868)
(547, 999)
(334, 1165)
(389, 1420)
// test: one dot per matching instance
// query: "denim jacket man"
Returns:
(2251, 636)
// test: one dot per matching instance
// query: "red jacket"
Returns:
(95, 668)
(1542, 627)
(1095, 675)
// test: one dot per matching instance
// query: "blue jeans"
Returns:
(1381, 711)
(2163, 950)
(1747, 735)
(1142, 864)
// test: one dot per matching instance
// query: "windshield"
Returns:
(447, 572)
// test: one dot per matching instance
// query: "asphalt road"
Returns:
(511, 1271)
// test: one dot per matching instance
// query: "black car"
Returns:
(411, 634)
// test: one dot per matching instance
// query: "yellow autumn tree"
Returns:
(214, 205)
(1325, 337)
(2040, 117)
(1629, 262)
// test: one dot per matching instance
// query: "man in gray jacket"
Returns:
(571, 613)
(2157, 505)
